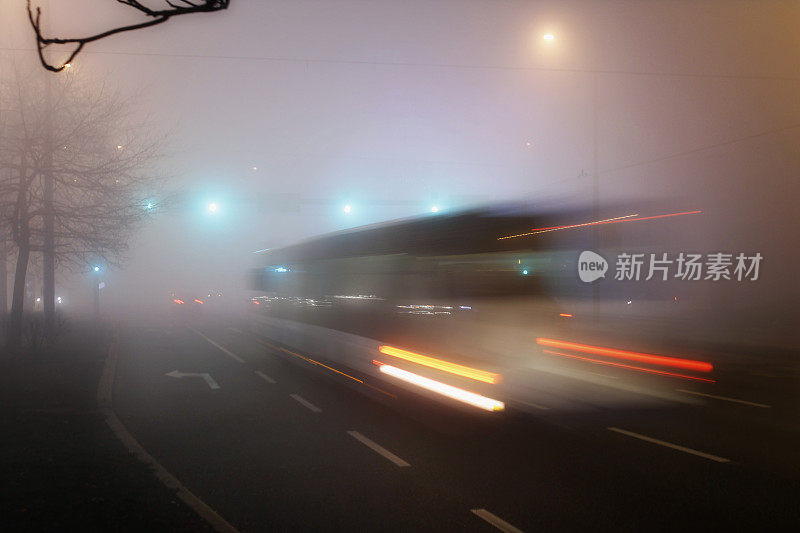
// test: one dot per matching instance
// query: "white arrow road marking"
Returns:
(206, 377)
(496, 521)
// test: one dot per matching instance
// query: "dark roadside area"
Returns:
(61, 466)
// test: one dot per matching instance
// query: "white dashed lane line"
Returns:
(671, 445)
(224, 350)
(531, 404)
(745, 402)
(496, 521)
(306, 403)
(377, 448)
(265, 377)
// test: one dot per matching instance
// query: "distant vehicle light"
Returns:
(548, 37)
(198, 301)
(178, 301)
(281, 269)
(525, 272)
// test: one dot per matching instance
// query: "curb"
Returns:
(105, 390)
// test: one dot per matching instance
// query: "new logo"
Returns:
(591, 266)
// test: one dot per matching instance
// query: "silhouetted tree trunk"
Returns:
(22, 236)
(48, 248)
(3, 277)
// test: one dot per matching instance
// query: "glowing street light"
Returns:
(347, 209)
(548, 37)
(213, 207)
(435, 209)
(96, 268)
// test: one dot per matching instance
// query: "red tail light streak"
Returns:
(628, 367)
(652, 359)
(177, 301)
(616, 220)
(198, 301)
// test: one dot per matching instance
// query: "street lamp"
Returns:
(548, 37)
(213, 207)
(435, 209)
(96, 268)
(347, 209)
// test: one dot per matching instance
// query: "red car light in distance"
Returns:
(178, 301)
(653, 359)
(198, 301)
(432, 362)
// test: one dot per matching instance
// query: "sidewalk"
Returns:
(61, 466)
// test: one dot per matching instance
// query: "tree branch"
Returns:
(178, 7)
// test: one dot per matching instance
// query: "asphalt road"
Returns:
(275, 443)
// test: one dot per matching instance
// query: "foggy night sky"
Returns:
(443, 102)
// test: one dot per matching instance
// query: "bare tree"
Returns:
(97, 156)
(157, 16)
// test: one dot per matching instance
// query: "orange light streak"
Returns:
(198, 301)
(628, 218)
(629, 367)
(453, 368)
(177, 301)
(565, 315)
(313, 362)
(688, 364)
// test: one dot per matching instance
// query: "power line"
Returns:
(700, 149)
(462, 66)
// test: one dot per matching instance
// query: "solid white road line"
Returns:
(225, 351)
(604, 375)
(105, 392)
(496, 521)
(670, 445)
(754, 404)
(378, 448)
(306, 403)
(265, 377)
